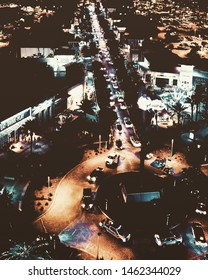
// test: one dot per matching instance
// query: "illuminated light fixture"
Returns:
(144, 103)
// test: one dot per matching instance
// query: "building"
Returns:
(30, 90)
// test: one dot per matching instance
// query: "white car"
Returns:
(201, 208)
(135, 142)
(149, 156)
(123, 106)
(168, 238)
(112, 160)
(127, 122)
(17, 147)
(116, 230)
(120, 99)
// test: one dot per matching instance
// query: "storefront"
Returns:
(44, 111)
(11, 128)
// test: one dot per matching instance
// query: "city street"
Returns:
(151, 178)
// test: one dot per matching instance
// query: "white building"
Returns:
(11, 128)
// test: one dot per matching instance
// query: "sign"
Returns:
(15, 119)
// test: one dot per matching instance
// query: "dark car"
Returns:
(87, 199)
(135, 141)
(95, 175)
(119, 127)
(119, 144)
(198, 234)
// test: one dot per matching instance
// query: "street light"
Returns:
(99, 142)
(98, 245)
(144, 104)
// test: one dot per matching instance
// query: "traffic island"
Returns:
(38, 201)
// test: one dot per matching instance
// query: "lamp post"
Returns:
(172, 148)
(98, 246)
(144, 103)
(167, 219)
(49, 182)
(99, 142)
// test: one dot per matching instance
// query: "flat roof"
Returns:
(23, 83)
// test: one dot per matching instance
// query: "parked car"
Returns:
(198, 234)
(87, 199)
(112, 160)
(168, 170)
(127, 122)
(135, 142)
(95, 175)
(149, 156)
(116, 230)
(17, 147)
(201, 208)
(168, 238)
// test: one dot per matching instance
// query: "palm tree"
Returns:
(6, 211)
(30, 127)
(204, 112)
(178, 109)
(191, 101)
(25, 251)
(87, 107)
(198, 98)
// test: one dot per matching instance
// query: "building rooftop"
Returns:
(23, 83)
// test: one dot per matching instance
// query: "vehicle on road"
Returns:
(201, 208)
(116, 230)
(119, 144)
(95, 175)
(135, 141)
(87, 199)
(198, 234)
(112, 160)
(118, 127)
(120, 99)
(168, 238)
(123, 106)
(127, 122)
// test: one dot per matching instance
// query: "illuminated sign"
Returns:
(75, 97)
(15, 119)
